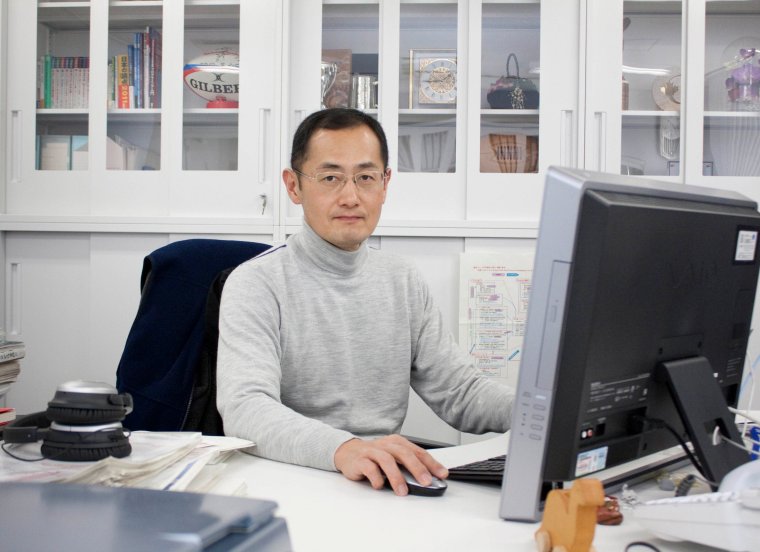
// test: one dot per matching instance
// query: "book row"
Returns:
(63, 82)
(134, 78)
(61, 152)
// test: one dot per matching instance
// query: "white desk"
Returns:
(327, 512)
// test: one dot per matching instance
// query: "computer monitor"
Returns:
(640, 309)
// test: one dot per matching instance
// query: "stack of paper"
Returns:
(159, 460)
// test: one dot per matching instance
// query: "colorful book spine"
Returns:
(138, 65)
(48, 70)
(122, 71)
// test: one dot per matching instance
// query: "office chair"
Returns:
(169, 360)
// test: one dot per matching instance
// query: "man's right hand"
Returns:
(380, 458)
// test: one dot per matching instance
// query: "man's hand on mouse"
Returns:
(380, 458)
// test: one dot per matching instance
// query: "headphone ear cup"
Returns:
(85, 446)
(83, 416)
(74, 454)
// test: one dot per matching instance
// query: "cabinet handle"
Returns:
(14, 306)
(601, 123)
(263, 120)
(16, 146)
(566, 137)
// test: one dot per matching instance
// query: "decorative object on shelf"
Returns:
(626, 94)
(509, 153)
(743, 83)
(512, 91)
(666, 90)
(327, 78)
(631, 165)
(733, 143)
(432, 78)
(338, 94)
(669, 137)
(626, 84)
(363, 91)
(214, 77)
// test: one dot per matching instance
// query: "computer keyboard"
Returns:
(489, 470)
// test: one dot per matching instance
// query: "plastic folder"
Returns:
(59, 516)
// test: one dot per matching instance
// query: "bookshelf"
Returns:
(154, 148)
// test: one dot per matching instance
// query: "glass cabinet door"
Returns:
(634, 58)
(510, 71)
(350, 55)
(428, 88)
(651, 88)
(134, 60)
(731, 140)
(210, 97)
(62, 86)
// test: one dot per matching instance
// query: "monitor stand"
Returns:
(702, 408)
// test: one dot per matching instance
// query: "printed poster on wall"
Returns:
(493, 310)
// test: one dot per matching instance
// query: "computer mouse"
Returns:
(436, 488)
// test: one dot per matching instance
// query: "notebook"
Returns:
(63, 516)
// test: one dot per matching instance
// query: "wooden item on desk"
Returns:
(570, 517)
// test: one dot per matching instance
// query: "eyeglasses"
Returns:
(366, 181)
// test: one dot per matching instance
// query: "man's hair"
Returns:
(334, 118)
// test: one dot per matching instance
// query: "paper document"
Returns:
(493, 310)
(159, 460)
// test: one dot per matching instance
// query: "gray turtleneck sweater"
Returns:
(318, 345)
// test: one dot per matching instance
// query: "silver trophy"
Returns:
(329, 72)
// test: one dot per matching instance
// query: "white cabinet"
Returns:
(84, 143)
(461, 162)
(689, 109)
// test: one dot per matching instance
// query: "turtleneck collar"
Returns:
(325, 255)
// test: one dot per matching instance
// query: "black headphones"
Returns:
(82, 423)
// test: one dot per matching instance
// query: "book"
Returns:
(7, 415)
(9, 371)
(116, 157)
(12, 350)
(122, 82)
(79, 153)
(138, 69)
(55, 152)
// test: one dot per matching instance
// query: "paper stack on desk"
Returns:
(159, 460)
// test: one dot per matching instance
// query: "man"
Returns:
(321, 338)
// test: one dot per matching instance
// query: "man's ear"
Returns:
(292, 186)
(385, 184)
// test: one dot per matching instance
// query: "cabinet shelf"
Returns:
(650, 113)
(426, 112)
(135, 114)
(61, 112)
(199, 116)
(509, 112)
(733, 114)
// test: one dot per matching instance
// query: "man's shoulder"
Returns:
(269, 260)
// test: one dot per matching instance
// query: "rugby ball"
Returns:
(214, 77)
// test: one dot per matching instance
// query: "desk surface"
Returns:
(326, 511)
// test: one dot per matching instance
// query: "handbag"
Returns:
(512, 91)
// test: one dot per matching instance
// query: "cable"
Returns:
(662, 424)
(685, 485)
(641, 543)
(737, 445)
(743, 413)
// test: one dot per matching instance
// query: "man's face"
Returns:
(346, 216)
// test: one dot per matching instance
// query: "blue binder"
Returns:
(60, 516)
